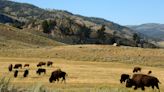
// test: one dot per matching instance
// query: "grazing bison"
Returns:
(124, 77)
(41, 64)
(49, 63)
(26, 65)
(149, 72)
(18, 66)
(136, 69)
(141, 80)
(10, 67)
(41, 70)
(26, 72)
(56, 75)
(16, 73)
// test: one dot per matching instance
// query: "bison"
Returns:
(26, 65)
(16, 73)
(142, 81)
(124, 77)
(49, 63)
(136, 69)
(149, 72)
(26, 72)
(41, 70)
(41, 64)
(10, 67)
(18, 66)
(56, 75)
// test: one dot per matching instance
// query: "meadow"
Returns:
(90, 68)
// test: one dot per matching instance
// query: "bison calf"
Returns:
(26, 72)
(41, 70)
(142, 81)
(136, 69)
(16, 73)
(124, 77)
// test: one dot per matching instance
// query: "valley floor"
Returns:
(85, 74)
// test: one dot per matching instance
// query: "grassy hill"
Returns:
(11, 37)
(153, 30)
(69, 28)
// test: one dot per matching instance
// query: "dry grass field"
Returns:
(161, 44)
(90, 68)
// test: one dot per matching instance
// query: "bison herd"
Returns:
(56, 75)
(140, 80)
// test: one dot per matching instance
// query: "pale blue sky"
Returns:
(124, 12)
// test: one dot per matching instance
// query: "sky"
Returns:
(124, 12)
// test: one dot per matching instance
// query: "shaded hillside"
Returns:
(69, 28)
(153, 30)
(11, 37)
(10, 21)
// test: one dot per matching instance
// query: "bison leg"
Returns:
(135, 87)
(121, 81)
(63, 79)
(57, 80)
(143, 88)
(157, 87)
(50, 80)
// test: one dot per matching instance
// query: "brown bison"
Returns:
(142, 81)
(149, 72)
(26, 65)
(41, 64)
(136, 69)
(124, 77)
(10, 67)
(56, 75)
(18, 66)
(49, 63)
(16, 73)
(26, 72)
(41, 70)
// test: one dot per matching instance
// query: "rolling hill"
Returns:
(11, 38)
(65, 27)
(152, 30)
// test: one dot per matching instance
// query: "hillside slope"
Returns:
(153, 30)
(69, 28)
(11, 37)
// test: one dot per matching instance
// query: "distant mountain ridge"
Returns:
(153, 30)
(68, 28)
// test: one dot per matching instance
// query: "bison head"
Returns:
(129, 83)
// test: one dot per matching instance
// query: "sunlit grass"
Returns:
(90, 68)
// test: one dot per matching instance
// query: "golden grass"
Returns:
(13, 38)
(105, 53)
(161, 44)
(84, 75)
